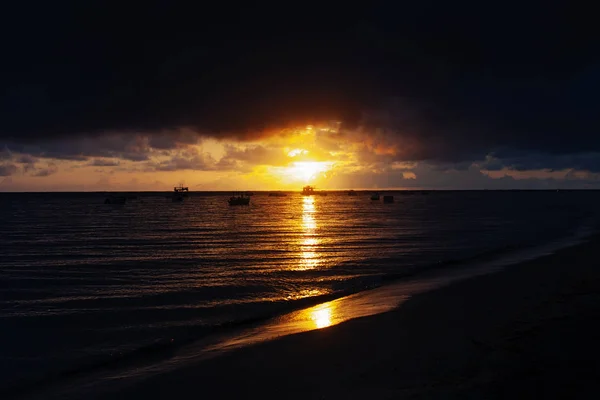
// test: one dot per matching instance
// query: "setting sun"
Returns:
(307, 170)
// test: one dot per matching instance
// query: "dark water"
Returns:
(81, 281)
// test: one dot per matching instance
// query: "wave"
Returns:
(163, 348)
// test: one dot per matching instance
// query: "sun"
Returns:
(302, 171)
(307, 170)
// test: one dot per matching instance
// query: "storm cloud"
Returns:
(448, 84)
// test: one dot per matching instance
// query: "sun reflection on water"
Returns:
(308, 220)
(309, 257)
(305, 293)
(321, 315)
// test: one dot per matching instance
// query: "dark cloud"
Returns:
(255, 154)
(439, 81)
(29, 168)
(104, 162)
(190, 159)
(7, 169)
(133, 147)
(38, 170)
(6, 154)
(172, 139)
(26, 159)
(45, 171)
(526, 119)
(525, 161)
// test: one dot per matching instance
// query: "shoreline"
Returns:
(461, 324)
(328, 310)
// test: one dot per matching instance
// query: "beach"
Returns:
(529, 330)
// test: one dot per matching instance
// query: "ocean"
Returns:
(83, 283)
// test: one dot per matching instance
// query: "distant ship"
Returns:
(310, 191)
(180, 193)
(239, 200)
(351, 193)
(375, 196)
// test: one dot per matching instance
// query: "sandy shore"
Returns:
(530, 330)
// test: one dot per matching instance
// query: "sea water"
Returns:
(83, 282)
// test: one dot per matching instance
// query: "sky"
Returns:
(106, 96)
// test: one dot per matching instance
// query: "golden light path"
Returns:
(309, 240)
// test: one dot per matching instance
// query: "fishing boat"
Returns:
(180, 193)
(240, 199)
(308, 190)
(375, 197)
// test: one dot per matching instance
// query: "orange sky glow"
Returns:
(286, 160)
(322, 155)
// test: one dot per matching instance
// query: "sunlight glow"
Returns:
(308, 220)
(295, 152)
(309, 241)
(322, 317)
(302, 294)
(310, 260)
(306, 170)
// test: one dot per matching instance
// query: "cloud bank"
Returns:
(450, 87)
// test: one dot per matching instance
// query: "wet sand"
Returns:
(530, 330)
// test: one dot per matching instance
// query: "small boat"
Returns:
(180, 193)
(308, 190)
(115, 200)
(351, 193)
(375, 196)
(388, 199)
(239, 200)
(277, 194)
